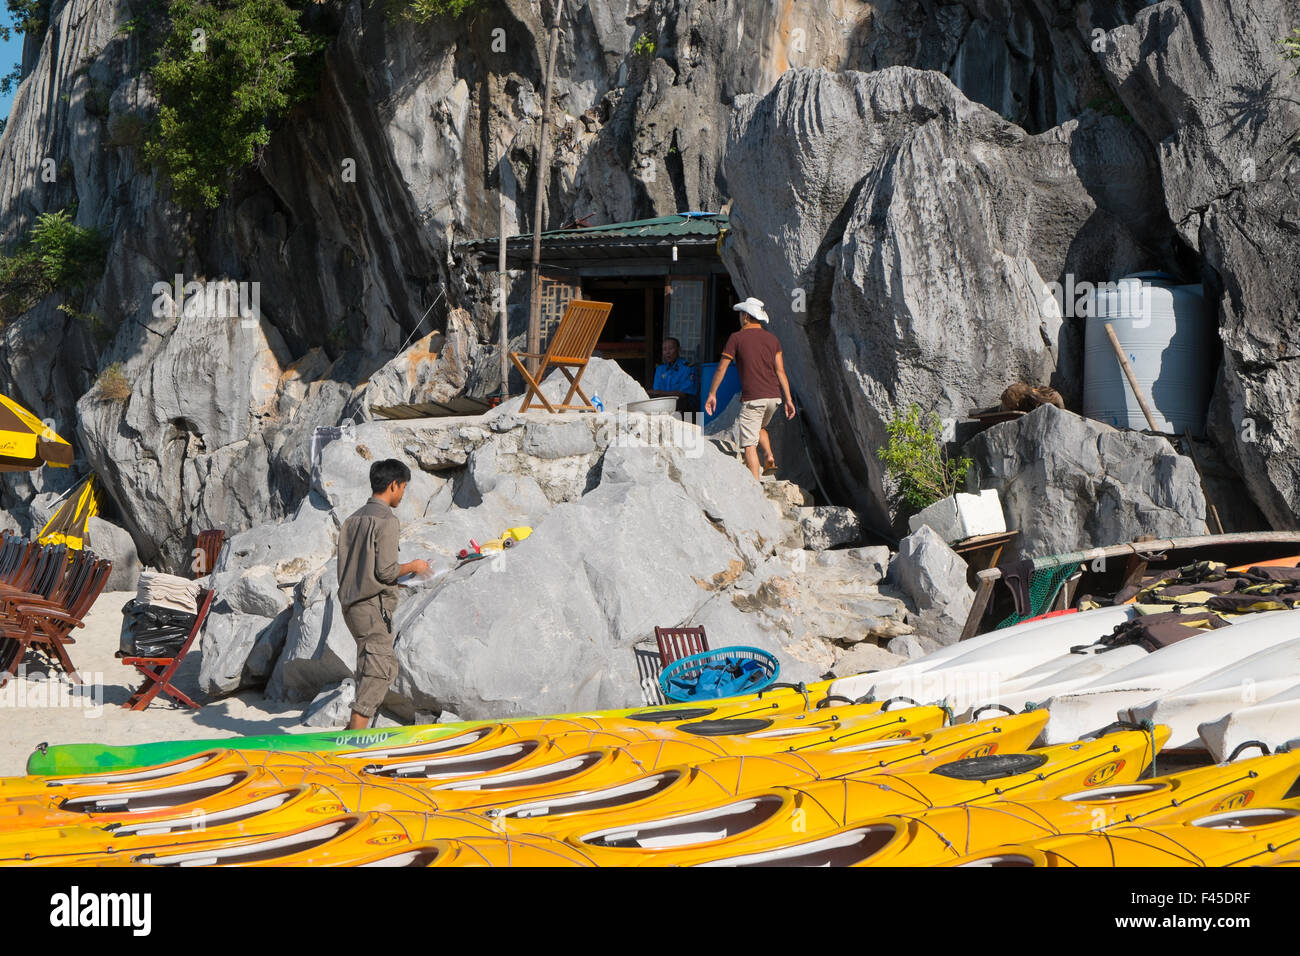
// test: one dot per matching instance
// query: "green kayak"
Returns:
(57, 760)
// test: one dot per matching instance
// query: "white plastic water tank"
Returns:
(1167, 332)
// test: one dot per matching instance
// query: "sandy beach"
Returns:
(45, 707)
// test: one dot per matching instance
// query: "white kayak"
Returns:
(1059, 676)
(1274, 722)
(971, 671)
(1183, 709)
(1094, 705)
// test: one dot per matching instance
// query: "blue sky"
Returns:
(11, 52)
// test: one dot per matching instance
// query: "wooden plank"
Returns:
(983, 592)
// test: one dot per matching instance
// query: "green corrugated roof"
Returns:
(680, 225)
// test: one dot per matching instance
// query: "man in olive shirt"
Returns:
(368, 573)
(757, 354)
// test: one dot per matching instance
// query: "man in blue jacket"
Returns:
(676, 377)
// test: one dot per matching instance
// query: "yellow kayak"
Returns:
(674, 789)
(484, 749)
(247, 806)
(1252, 837)
(259, 810)
(782, 816)
(530, 765)
(937, 836)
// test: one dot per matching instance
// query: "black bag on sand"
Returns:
(152, 631)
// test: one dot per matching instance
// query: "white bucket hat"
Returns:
(753, 307)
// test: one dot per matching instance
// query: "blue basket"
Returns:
(690, 669)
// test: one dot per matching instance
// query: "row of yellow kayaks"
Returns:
(781, 785)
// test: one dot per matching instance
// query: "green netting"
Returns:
(1043, 587)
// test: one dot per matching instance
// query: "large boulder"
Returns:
(902, 238)
(1069, 483)
(107, 540)
(1206, 83)
(289, 549)
(933, 577)
(435, 368)
(245, 630)
(175, 456)
(550, 624)
(318, 648)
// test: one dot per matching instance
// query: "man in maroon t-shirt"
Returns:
(757, 354)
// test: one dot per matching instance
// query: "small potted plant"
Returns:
(928, 480)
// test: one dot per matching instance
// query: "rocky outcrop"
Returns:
(1205, 82)
(1068, 483)
(933, 578)
(109, 541)
(905, 255)
(636, 520)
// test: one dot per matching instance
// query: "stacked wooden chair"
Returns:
(44, 595)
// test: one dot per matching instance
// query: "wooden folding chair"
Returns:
(159, 671)
(570, 347)
(208, 551)
(678, 642)
(48, 629)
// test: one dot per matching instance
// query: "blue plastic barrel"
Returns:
(728, 390)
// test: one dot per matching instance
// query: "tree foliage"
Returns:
(56, 255)
(228, 70)
(915, 457)
(1291, 49)
(422, 11)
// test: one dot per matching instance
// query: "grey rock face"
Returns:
(332, 707)
(1205, 82)
(109, 541)
(933, 577)
(438, 367)
(829, 526)
(866, 657)
(289, 549)
(238, 648)
(904, 256)
(1070, 483)
(318, 648)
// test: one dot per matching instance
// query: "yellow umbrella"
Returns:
(26, 442)
(68, 524)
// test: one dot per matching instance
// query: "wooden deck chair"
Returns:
(678, 642)
(570, 348)
(159, 671)
(207, 551)
(49, 630)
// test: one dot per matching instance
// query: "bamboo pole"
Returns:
(1132, 378)
(1146, 410)
(540, 177)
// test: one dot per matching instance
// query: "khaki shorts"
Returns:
(376, 659)
(755, 416)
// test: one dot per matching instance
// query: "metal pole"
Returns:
(501, 283)
(540, 177)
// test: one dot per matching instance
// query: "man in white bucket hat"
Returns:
(757, 354)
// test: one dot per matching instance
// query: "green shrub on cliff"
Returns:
(227, 71)
(422, 11)
(56, 255)
(1291, 48)
(914, 456)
